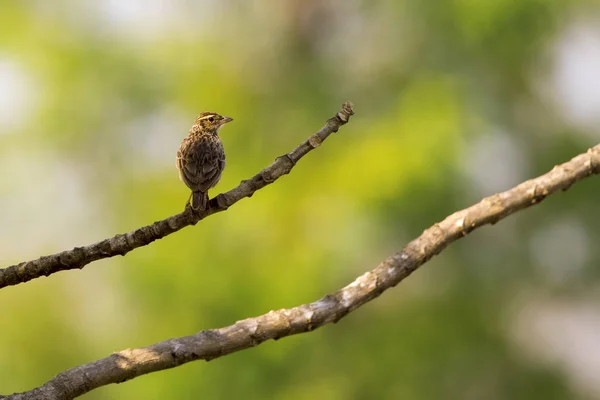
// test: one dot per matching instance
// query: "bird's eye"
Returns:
(211, 119)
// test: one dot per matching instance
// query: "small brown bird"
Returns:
(201, 157)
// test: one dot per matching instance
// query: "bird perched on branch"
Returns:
(201, 157)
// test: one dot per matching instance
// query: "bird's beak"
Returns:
(226, 120)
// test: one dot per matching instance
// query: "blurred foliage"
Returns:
(112, 88)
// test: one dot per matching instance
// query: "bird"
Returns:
(201, 158)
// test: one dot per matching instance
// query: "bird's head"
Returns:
(211, 122)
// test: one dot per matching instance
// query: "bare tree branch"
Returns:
(213, 343)
(123, 243)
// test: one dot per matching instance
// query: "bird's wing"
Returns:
(199, 164)
(180, 160)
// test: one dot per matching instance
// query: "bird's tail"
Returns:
(199, 201)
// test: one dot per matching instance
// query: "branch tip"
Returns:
(344, 114)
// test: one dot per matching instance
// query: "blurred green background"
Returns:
(454, 99)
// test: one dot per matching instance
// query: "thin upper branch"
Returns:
(213, 343)
(123, 243)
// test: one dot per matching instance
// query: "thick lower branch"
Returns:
(210, 344)
(123, 243)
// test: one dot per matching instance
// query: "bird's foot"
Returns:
(194, 210)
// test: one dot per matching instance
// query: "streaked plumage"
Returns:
(201, 157)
